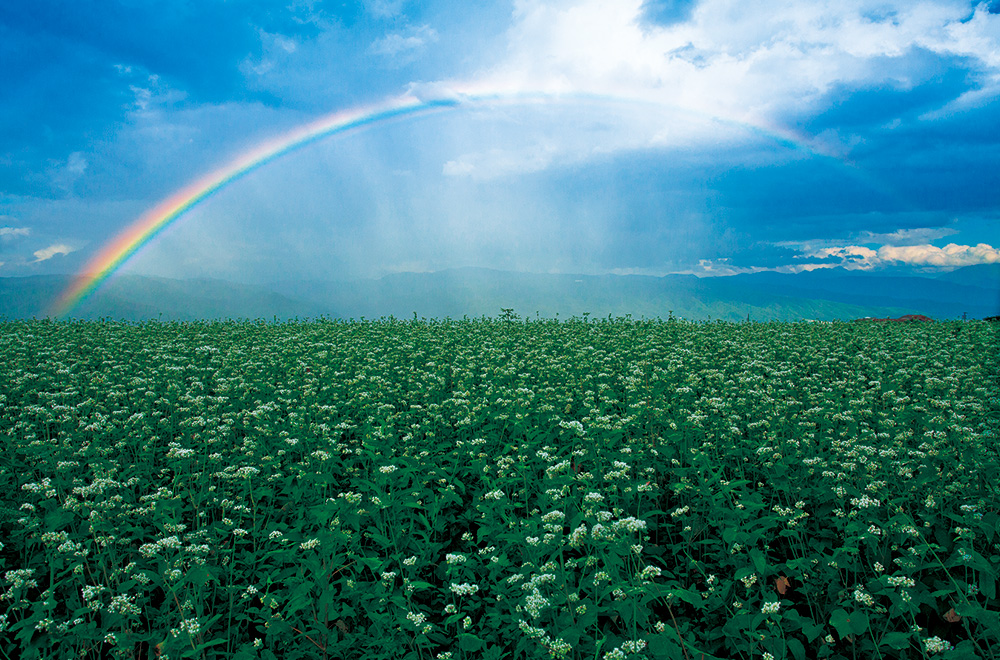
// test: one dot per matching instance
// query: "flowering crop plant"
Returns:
(499, 488)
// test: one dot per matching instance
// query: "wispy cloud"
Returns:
(8, 234)
(915, 236)
(899, 237)
(499, 162)
(66, 173)
(384, 8)
(47, 253)
(405, 44)
(275, 47)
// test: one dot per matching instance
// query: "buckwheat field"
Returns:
(499, 488)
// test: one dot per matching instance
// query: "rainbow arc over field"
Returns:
(144, 230)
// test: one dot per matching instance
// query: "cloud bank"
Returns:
(858, 257)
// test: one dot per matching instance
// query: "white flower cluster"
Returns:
(937, 645)
(189, 626)
(124, 604)
(553, 470)
(558, 648)
(771, 607)
(554, 517)
(649, 572)
(149, 550)
(535, 602)
(865, 502)
(419, 620)
(464, 589)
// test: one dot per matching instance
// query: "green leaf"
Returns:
(987, 584)
(989, 619)
(896, 640)
(195, 652)
(664, 645)
(470, 643)
(199, 575)
(846, 624)
(797, 650)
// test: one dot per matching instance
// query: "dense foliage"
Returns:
(499, 488)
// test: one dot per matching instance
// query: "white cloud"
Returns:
(13, 233)
(47, 253)
(720, 268)
(852, 256)
(738, 60)
(405, 44)
(734, 71)
(858, 257)
(949, 255)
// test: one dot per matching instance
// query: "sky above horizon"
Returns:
(710, 137)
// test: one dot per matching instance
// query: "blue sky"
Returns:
(665, 136)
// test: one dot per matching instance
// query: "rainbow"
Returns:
(147, 227)
(116, 252)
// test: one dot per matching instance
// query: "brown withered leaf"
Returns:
(951, 616)
(782, 584)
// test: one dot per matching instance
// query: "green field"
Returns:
(499, 488)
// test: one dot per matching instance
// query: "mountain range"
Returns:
(828, 294)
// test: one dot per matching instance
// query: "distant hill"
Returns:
(986, 276)
(963, 291)
(476, 292)
(137, 298)
(818, 295)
